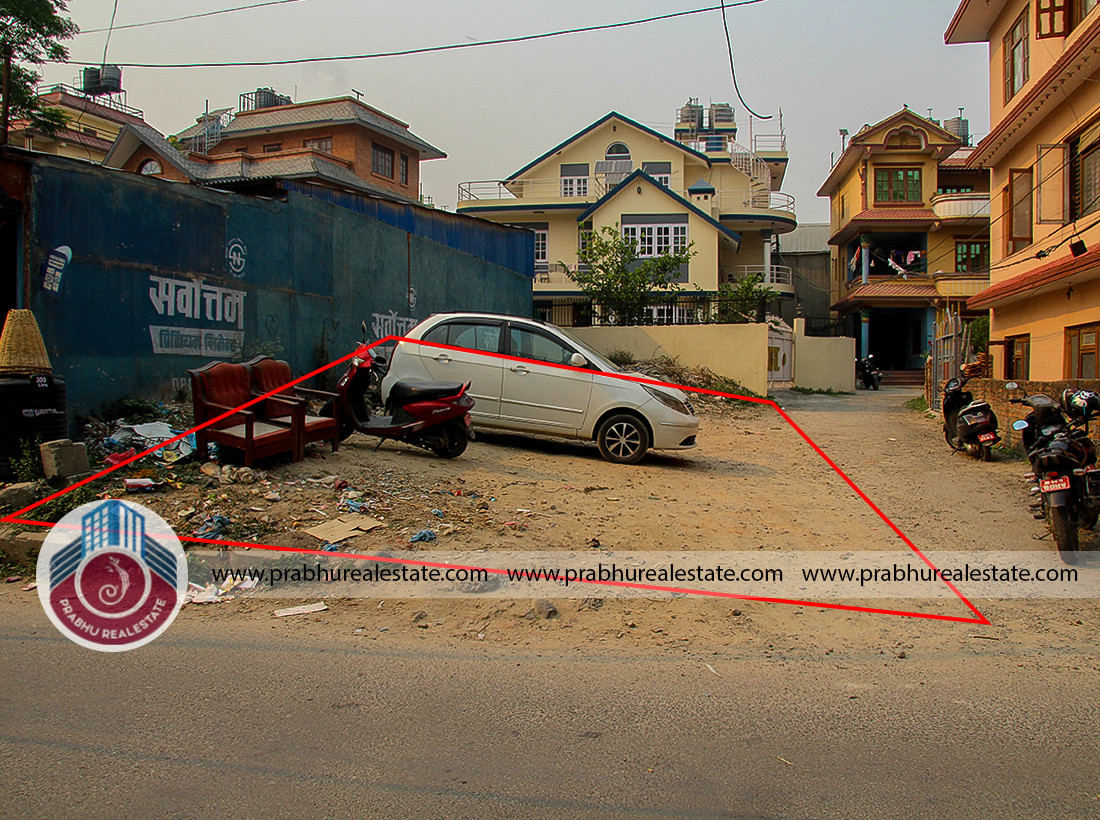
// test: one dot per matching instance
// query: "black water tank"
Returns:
(31, 407)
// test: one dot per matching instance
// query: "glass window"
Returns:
(1018, 357)
(404, 169)
(1053, 18)
(319, 144)
(529, 344)
(1018, 203)
(1015, 45)
(898, 185)
(150, 167)
(971, 257)
(574, 186)
(272, 147)
(617, 150)
(381, 161)
(1081, 350)
(542, 239)
(472, 336)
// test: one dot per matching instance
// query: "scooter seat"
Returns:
(404, 393)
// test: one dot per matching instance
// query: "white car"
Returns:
(518, 388)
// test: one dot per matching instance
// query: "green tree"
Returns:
(611, 273)
(744, 301)
(31, 32)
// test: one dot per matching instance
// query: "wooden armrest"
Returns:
(313, 391)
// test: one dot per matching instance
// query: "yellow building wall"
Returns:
(643, 147)
(703, 268)
(1045, 317)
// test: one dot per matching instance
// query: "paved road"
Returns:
(243, 716)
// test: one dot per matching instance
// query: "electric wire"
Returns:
(733, 71)
(188, 16)
(432, 49)
(110, 28)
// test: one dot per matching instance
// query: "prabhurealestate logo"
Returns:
(112, 575)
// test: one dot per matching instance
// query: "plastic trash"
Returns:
(423, 536)
(212, 527)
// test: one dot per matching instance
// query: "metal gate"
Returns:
(950, 344)
(780, 356)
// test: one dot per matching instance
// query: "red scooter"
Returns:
(432, 415)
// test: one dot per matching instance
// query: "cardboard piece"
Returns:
(340, 529)
(304, 609)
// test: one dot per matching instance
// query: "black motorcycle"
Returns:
(867, 371)
(1063, 463)
(968, 424)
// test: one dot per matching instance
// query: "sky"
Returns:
(825, 64)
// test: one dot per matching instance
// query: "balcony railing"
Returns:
(775, 275)
(969, 205)
(581, 189)
(760, 199)
(554, 274)
(769, 142)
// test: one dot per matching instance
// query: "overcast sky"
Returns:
(828, 64)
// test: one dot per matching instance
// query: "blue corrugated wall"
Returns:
(177, 258)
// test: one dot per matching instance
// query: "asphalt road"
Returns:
(239, 716)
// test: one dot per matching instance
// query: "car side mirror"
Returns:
(1021, 424)
(578, 360)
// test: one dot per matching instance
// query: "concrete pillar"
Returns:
(866, 254)
(864, 332)
(767, 237)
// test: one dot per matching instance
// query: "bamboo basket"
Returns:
(21, 347)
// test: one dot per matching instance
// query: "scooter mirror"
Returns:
(577, 360)
(1011, 386)
(1021, 424)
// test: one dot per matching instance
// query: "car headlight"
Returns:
(668, 400)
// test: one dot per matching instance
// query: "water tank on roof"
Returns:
(690, 115)
(110, 79)
(721, 115)
(960, 127)
(89, 80)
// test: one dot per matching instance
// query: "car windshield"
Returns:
(590, 354)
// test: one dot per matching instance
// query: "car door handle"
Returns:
(442, 358)
(520, 369)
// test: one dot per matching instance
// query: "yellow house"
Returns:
(703, 188)
(1043, 155)
(909, 239)
(93, 124)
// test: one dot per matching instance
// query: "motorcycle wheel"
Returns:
(953, 441)
(987, 453)
(452, 442)
(1089, 517)
(1064, 532)
(874, 384)
(346, 427)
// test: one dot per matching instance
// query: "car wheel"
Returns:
(623, 439)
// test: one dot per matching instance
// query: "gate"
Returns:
(780, 356)
(950, 344)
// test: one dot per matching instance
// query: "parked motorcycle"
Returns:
(968, 424)
(432, 415)
(1063, 463)
(869, 374)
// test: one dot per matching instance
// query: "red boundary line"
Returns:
(14, 518)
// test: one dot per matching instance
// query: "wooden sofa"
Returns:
(221, 387)
(267, 374)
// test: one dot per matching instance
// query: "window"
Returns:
(956, 189)
(1081, 8)
(654, 240)
(1081, 349)
(1015, 46)
(469, 335)
(1053, 19)
(660, 171)
(1085, 173)
(381, 161)
(529, 344)
(1018, 204)
(542, 240)
(271, 148)
(971, 257)
(584, 235)
(617, 150)
(149, 167)
(574, 186)
(404, 169)
(897, 185)
(319, 144)
(1018, 357)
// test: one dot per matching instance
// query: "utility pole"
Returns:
(7, 51)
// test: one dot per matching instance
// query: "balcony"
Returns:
(580, 190)
(779, 278)
(972, 205)
(554, 276)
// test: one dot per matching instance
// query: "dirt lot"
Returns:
(753, 483)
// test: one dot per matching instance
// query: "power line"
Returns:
(188, 16)
(110, 28)
(433, 49)
(733, 71)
